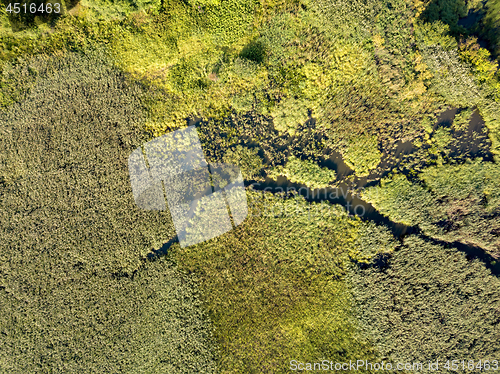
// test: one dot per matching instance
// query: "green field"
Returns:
(89, 283)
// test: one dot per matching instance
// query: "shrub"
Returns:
(25, 20)
(435, 33)
(230, 20)
(289, 114)
(462, 120)
(362, 155)
(452, 79)
(372, 241)
(447, 11)
(479, 58)
(401, 200)
(117, 9)
(247, 159)
(254, 51)
(441, 141)
(452, 202)
(492, 22)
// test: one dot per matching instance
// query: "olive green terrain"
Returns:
(91, 283)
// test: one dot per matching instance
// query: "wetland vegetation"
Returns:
(396, 100)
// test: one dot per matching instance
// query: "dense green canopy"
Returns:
(71, 295)
(324, 93)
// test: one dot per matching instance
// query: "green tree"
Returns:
(304, 171)
(492, 21)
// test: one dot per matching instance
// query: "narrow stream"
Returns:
(341, 195)
(354, 205)
(468, 142)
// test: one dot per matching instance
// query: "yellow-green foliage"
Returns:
(247, 80)
(349, 60)
(480, 59)
(369, 73)
(492, 22)
(209, 61)
(435, 33)
(473, 180)
(305, 172)
(203, 3)
(462, 120)
(357, 116)
(457, 298)
(484, 68)
(491, 114)
(116, 9)
(183, 51)
(289, 114)
(362, 154)
(372, 240)
(450, 202)
(273, 286)
(308, 88)
(75, 293)
(4, 20)
(399, 199)
(247, 159)
(314, 81)
(145, 54)
(59, 316)
(455, 81)
(344, 19)
(440, 141)
(228, 21)
(452, 79)
(174, 58)
(428, 124)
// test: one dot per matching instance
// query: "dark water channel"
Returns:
(471, 143)
(343, 195)
(471, 22)
(347, 192)
(349, 199)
